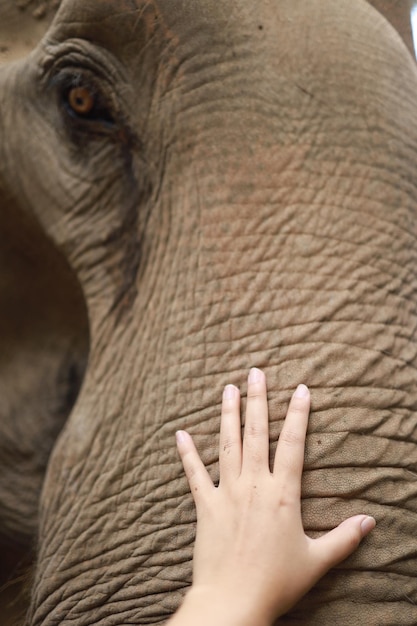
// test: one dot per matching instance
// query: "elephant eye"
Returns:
(81, 100)
(84, 100)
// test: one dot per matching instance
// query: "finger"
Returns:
(230, 453)
(197, 475)
(339, 543)
(289, 456)
(256, 437)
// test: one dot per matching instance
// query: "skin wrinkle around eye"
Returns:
(78, 64)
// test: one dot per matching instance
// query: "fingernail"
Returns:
(180, 436)
(301, 392)
(255, 375)
(229, 392)
(367, 525)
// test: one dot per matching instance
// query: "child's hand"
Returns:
(252, 560)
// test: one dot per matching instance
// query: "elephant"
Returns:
(227, 184)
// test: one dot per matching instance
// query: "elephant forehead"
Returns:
(117, 23)
(261, 42)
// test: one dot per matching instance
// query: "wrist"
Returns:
(209, 607)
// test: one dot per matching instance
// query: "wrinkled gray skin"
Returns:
(42, 360)
(242, 193)
(44, 344)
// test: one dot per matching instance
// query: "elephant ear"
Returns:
(23, 23)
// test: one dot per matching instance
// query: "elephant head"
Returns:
(233, 184)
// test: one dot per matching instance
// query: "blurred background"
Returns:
(403, 16)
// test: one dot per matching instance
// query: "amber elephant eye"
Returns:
(81, 100)
(86, 100)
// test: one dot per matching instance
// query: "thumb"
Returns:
(339, 543)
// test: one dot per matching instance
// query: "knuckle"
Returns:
(286, 499)
(228, 443)
(299, 406)
(190, 466)
(194, 481)
(291, 437)
(256, 391)
(255, 431)
(353, 540)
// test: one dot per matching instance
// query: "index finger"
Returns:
(289, 456)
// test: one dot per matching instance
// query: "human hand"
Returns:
(252, 559)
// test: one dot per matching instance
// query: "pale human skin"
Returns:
(252, 559)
